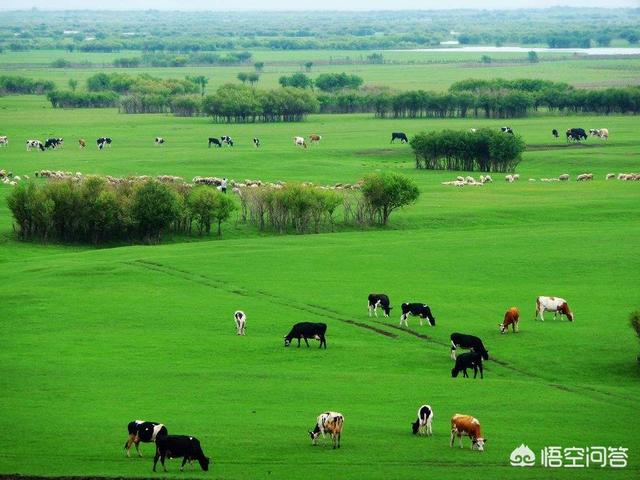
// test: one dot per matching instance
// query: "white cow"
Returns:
(241, 321)
(330, 422)
(4, 141)
(552, 304)
(299, 142)
(422, 426)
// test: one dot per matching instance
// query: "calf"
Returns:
(331, 422)
(256, 142)
(4, 141)
(159, 141)
(468, 426)
(53, 143)
(420, 309)
(315, 138)
(399, 136)
(468, 360)
(141, 431)
(103, 142)
(422, 426)
(554, 132)
(468, 342)
(299, 142)
(511, 317)
(379, 300)
(227, 140)
(34, 144)
(214, 141)
(241, 321)
(176, 446)
(555, 305)
(82, 143)
(306, 330)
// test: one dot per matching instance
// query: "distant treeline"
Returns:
(187, 32)
(196, 58)
(16, 85)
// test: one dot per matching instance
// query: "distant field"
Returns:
(94, 338)
(581, 72)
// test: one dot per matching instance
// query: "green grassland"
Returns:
(94, 338)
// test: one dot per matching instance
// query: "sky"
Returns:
(240, 5)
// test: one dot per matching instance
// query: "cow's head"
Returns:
(502, 327)
(485, 355)
(287, 341)
(478, 444)
(454, 373)
(415, 426)
(204, 463)
(432, 320)
(564, 309)
(387, 310)
(314, 434)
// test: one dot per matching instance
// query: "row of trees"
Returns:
(17, 85)
(172, 60)
(94, 211)
(326, 82)
(484, 150)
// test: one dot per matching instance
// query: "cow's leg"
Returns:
(420, 317)
(184, 460)
(460, 437)
(515, 326)
(306, 341)
(481, 368)
(464, 373)
(155, 459)
(475, 370)
(369, 308)
(127, 445)
(429, 428)
(299, 342)
(453, 437)
(137, 443)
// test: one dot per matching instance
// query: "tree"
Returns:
(222, 209)
(386, 192)
(243, 77)
(297, 80)
(200, 80)
(533, 57)
(253, 78)
(485, 59)
(332, 82)
(154, 208)
(307, 66)
(259, 66)
(73, 84)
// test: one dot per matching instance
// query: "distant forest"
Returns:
(185, 32)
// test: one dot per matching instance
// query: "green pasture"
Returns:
(94, 338)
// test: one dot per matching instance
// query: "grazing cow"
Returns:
(420, 309)
(468, 426)
(506, 130)
(313, 138)
(468, 342)
(610, 176)
(422, 426)
(227, 140)
(241, 321)
(306, 330)
(330, 422)
(602, 133)
(576, 134)
(159, 141)
(552, 304)
(34, 144)
(379, 300)
(511, 317)
(399, 136)
(256, 142)
(4, 141)
(176, 446)
(103, 142)
(299, 142)
(473, 130)
(468, 360)
(554, 132)
(214, 141)
(82, 143)
(53, 143)
(141, 431)
(564, 177)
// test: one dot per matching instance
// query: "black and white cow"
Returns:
(468, 342)
(34, 144)
(141, 431)
(399, 136)
(159, 141)
(506, 130)
(256, 142)
(554, 132)
(379, 300)
(576, 134)
(227, 140)
(176, 446)
(53, 143)
(422, 426)
(305, 330)
(241, 322)
(214, 141)
(103, 142)
(468, 360)
(421, 310)
(4, 141)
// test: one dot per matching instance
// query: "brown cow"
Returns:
(315, 138)
(82, 142)
(469, 426)
(511, 317)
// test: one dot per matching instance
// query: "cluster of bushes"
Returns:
(484, 150)
(71, 99)
(326, 82)
(177, 60)
(16, 85)
(95, 211)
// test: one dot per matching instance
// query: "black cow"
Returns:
(399, 136)
(576, 134)
(227, 139)
(256, 142)
(141, 431)
(305, 330)
(468, 342)
(506, 130)
(176, 446)
(420, 309)
(214, 141)
(468, 360)
(53, 143)
(103, 142)
(554, 132)
(379, 300)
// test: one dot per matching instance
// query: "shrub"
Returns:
(155, 207)
(386, 192)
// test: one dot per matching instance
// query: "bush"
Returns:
(386, 192)
(185, 105)
(155, 207)
(331, 82)
(61, 63)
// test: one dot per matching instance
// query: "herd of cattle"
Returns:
(189, 449)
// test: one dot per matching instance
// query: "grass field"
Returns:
(94, 338)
